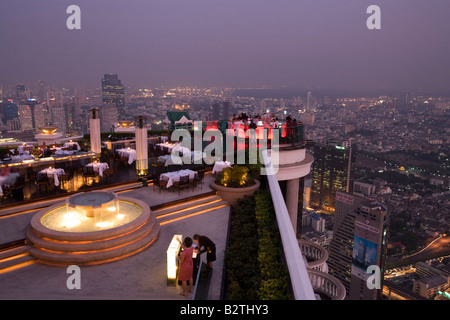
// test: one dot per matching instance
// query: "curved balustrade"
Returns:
(326, 286)
(315, 254)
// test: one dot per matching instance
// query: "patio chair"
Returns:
(198, 180)
(88, 172)
(183, 183)
(66, 177)
(42, 179)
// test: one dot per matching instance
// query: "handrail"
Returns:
(301, 284)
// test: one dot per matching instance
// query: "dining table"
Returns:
(220, 165)
(24, 149)
(71, 144)
(3, 183)
(99, 167)
(129, 153)
(175, 176)
(53, 173)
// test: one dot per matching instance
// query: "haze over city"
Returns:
(297, 44)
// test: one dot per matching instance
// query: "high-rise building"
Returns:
(308, 101)
(56, 110)
(39, 117)
(25, 117)
(334, 166)
(113, 92)
(109, 115)
(359, 241)
(21, 94)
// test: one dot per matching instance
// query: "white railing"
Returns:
(315, 254)
(326, 285)
(300, 281)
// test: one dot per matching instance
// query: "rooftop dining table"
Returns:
(174, 176)
(98, 167)
(54, 172)
(194, 156)
(24, 148)
(71, 144)
(3, 182)
(129, 153)
(220, 165)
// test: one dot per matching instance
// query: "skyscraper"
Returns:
(113, 92)
(108, 116)
(21, 94)
(57, 113)
(359, 241)
(334, 166)
(308, 102)
(25, 117)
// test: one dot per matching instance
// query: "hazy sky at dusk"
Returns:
(230, 42)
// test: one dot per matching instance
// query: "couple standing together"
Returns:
(186, 267)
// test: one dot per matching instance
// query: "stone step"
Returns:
(13, 251)
(15, 260)
(199, 209)
(185, 205)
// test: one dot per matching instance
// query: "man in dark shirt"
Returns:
(208, 246)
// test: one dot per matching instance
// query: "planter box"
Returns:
(233, 194)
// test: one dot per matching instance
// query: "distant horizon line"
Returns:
(289, 90)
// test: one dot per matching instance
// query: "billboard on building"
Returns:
(365, 248)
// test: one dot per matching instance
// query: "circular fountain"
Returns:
(92, 228)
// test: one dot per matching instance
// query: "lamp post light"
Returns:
(94, 128)
(141, 147)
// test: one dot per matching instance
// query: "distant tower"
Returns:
(334, 166)
(21, 95)
(308, 101)
(113, 92)
(56, 110)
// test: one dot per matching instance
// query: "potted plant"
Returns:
(36, 153)
(234, 183)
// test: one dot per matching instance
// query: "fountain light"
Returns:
(71, 219)
(120, 216)
(103, 224)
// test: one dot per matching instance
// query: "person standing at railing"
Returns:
(208, 246)
(275, 123)
(186, 264)
(289, 124)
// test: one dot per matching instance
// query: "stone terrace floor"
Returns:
(142, 276)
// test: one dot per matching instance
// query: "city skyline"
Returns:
(294, 44)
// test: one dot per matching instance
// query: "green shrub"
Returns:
(253, 262)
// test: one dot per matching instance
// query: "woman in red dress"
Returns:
(186, 265)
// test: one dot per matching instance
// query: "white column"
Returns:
(292, 200)
(141, 146)
(94, 129)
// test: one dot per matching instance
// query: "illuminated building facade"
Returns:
(113, 92)
(359, 241)
(334, 166)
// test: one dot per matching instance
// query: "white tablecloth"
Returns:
(175, 176)
(220, 165)
(99, 167)
(23, 148)
(71, 144)
(22, 157)
(54, 172)
(3, 181)
(130, 154)
(64, 152)
(167, 146)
